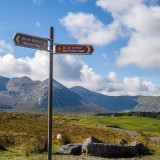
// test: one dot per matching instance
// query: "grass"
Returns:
(149, 126)
(24, 129)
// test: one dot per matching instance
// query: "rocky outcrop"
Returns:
(96, 147)
(3, 83)
(109, 150)
(74, 149)
(139, 148)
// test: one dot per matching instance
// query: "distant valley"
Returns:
(21, 94)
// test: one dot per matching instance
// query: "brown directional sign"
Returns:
(29, 41)
(83, 49)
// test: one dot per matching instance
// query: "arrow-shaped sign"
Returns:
(83, 49)
(29, 41)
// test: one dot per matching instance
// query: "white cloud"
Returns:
(138, 20)
(38, 24)
(143, 47)
(112, 77)
(141, 19)
(5, 47)
(35, 67)
(118, 6)
(132, 84)
(86, 28)
(37, 2)
(71, 71)
(142, 51)
(129, 86)
(67, 68)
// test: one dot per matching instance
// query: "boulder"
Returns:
(139, 147)
(75, 149)
(98, 148)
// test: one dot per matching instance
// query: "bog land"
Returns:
(24, 136)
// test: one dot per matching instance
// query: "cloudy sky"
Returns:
(124, 33)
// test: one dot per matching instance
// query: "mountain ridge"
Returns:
(120, 103)
(22, 94)
(114, 103)
(26, 95)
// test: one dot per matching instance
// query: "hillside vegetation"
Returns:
(19, 132)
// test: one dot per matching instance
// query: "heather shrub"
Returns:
(35, 145)
(5, 141)
(65, 139)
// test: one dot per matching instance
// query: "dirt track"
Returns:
(132, 134)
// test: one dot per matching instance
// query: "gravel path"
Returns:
(132, 134)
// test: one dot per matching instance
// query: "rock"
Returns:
(75, 149)
(88, 141)
(107, 150)
(139, 147)
(98, 148)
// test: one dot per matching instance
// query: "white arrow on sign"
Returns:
(88, 49)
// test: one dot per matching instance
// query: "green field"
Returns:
(19, 132)
(149, 126)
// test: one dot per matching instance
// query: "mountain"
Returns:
(3, 83)
(21, 94)
(148, 103)
(113, 103)
(121, 103)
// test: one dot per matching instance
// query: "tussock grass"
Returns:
(5, 141)
(152, 145)
(65, 139)
(35, 145)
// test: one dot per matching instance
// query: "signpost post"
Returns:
(29, 41)
(50, 95)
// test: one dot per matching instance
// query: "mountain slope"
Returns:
(148, 104)
(3, 83)
(114, 103)
(121, 103)
(24, 95)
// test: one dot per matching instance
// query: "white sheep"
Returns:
(59, 137)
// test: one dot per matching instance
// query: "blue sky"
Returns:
(124, 33)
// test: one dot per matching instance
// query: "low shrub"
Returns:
(5, 140)
(65, 139)
(36, 145)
